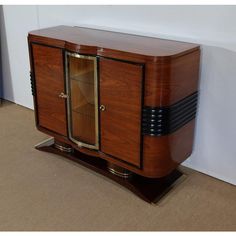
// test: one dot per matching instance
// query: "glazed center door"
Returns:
(121, 86)
(82, 106)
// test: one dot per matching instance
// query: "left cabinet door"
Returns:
(48, 69)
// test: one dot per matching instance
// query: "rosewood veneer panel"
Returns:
(121, 92)
(49, 77)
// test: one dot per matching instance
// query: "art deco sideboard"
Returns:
(123, 105)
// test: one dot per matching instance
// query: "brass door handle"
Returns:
(62, 95)
(102, 108)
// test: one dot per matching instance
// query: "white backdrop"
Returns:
(211, 26)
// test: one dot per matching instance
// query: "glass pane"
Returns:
(82, 97)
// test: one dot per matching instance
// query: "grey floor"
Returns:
(41, 191)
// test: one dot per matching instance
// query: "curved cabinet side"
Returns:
(163, 154)
(171, 81)
(166, 84)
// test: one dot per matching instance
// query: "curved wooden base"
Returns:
(149, 189)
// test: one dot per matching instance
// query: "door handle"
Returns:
(62, 95)
(102, 108)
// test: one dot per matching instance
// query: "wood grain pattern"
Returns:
(167, 83)
(163, 154)
(79, 38)
(121, 93)
(49, 76)
(171, 74)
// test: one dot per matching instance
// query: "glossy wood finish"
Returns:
(120, 123)
(150, 190)
(171, 71)
(161, 155)
(165, 153)
(168, 73)
(167, 83)
(49, 75)
(101, 41)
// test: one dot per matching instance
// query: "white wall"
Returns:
(1, 89)
(208, 24)
(16, 21)
(211, 26)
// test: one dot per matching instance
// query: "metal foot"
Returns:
(119, 171)
(63, 147)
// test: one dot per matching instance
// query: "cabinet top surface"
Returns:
(102, 39)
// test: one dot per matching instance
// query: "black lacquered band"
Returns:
(158, 121)
(32, 83)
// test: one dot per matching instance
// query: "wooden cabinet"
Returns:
(124, 99)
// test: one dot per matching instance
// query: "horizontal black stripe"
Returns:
(157, 121)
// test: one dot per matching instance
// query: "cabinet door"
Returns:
(120, 109)
(49, 79)
(83, 99)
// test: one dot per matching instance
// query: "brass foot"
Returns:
(63, 147)
(119, 171)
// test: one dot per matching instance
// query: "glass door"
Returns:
(82, 102)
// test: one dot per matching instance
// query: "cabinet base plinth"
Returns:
(149, 189)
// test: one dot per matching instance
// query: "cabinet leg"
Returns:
(63, 146)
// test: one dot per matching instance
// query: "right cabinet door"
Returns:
(121, 86)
